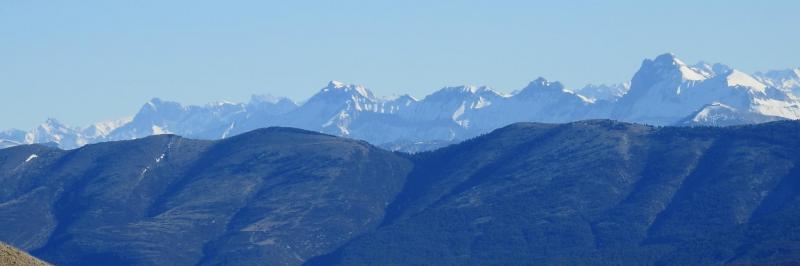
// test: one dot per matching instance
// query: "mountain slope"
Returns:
(589, 192)
(277, 196)
(596, 192)
(12, 256)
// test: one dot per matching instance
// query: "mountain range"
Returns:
(664, 91)
(596, 192)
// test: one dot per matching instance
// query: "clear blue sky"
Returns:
(84, 61)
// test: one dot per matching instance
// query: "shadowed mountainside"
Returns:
(596, 192)
(589, 192)
(276, 196)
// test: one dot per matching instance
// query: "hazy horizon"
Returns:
(91, 61)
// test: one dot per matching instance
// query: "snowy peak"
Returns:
(711, 70)
(336, 84)
(464, 89)
(714, 113)
(351, 89)
(781, 75)
(738, 78)
(664, 91)
(664, 77)
(787, 80)
(54, 131)
(605, 92)
(402, 98)
(541, 83)
(719, 114)
(540, 87)
(260, 106)
(13, 135)
(462, 92)
(668, 66)
(158, 105)
(269, 99)
(394, 104)
(155, 111)
(338, 95)
(102, 129)
(51, 125)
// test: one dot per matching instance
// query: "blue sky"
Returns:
(86, 61)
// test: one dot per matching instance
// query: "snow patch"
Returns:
(711, 112)
(482, 102)
(160, 157)
(688, 73)
(737, 78)
(33, 156)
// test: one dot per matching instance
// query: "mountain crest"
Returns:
(542, 83)
(466, 89)
(355, 90)
(664, 91)
(539, 86)
(669, 66)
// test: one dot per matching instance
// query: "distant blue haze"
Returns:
(85, 61)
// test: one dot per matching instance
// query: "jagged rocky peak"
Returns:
(543, 83)
(270, 99)
(14, 135)
(101, 129)
(738, 78)
(402, 98)
(335, 86)
(663, 91)
(271, 105)
(541, 86)
(607, 92)
(781, 75)
(787, 80)
(463, 90)
(668, 66)
(711, 69)
(52, 126)
(158, 105)
(451, 97)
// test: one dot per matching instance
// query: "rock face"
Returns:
(11, 256)
(588, 192)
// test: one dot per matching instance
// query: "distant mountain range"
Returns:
(594, 192)
(665, 91)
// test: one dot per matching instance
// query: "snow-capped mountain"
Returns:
(604, 92)
(13, 135)
(787, 80)
(551, 102)
(54, 131)
(212, 121)
(333, 109)
(102, 129)
(664, 91)
(718, 114)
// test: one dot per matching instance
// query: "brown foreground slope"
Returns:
(12, 256)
